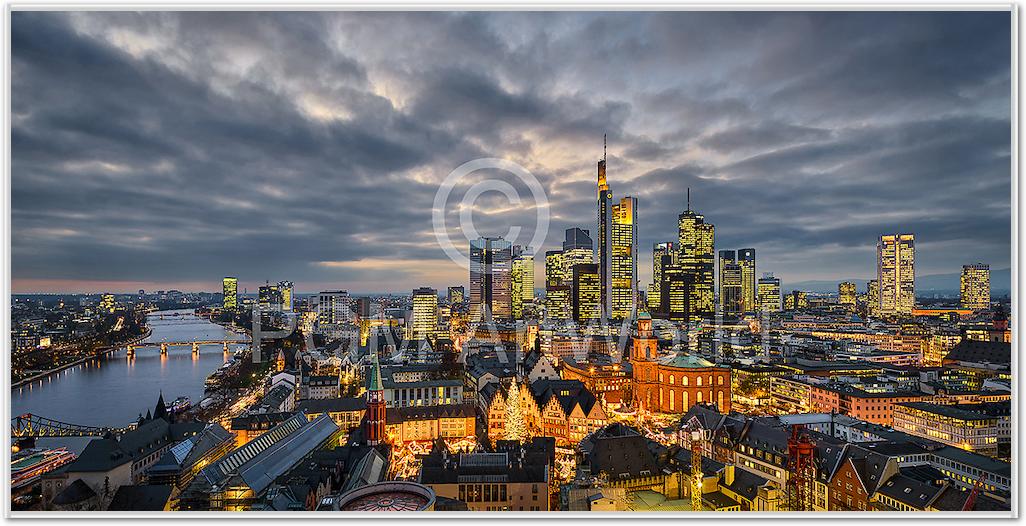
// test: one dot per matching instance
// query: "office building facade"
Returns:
(896, 256)
(975, 286)
(490, 283)
(230, 290)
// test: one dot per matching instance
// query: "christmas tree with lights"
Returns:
(514, 414)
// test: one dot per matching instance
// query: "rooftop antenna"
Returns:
(603, 147)
(689, 199)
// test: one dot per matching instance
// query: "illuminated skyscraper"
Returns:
(585, 292)
(490, 284)
(675, 291)
(333, 307)
(107, 303)
(872, 297)
(287, 291)
(730, 284)
(846, 295)
(975, 286)
(749, 293)
(769, 293)
(425, 313)
(896, 255)
(696, 259)
(604, 241)
(658, 251)
(230, 288)
(269, 297)
(456, 295)
(521, 282)
(557, 294)
(796, 300)
(624, 288)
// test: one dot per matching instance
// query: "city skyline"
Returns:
(295, 164)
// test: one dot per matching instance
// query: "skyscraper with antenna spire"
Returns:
(697, 261)
(616, 251)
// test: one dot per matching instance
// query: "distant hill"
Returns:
(1000, 283)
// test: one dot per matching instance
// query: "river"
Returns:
(114, 389)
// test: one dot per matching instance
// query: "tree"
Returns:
(514, 414)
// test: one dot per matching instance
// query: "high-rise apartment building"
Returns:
(846, 294)
(333, 307)
(749, 292)
(731, 292)
(624, 274)
(658, 251)
(490, 284)
(456, 295)
(585, 292)
(696, 259)
(230, 290)
(896, 274)
(769, 293)
(975, 286)
(425, 313)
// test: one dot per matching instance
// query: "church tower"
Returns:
(375, 419)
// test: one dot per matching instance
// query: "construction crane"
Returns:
(970, 501)
(800, 464)
(694, 434)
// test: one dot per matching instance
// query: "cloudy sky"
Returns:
(166, 150)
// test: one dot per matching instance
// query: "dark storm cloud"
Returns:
(181, 147)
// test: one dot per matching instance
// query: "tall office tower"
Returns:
(287, 291)
(624, 272)
(456, 295)
(230, 288)
(658, 251)
(675, 292)
(976, 286)
(107, 303)
(269, 297)
(749, 293)
(604, 241)
(578, 238)
(557, 294)
(577, 248)
(586, 293)
(425, 313)
(769, 293)
(896, 274)
(333, 307)
(730, 284)
(516, 288)
(521, 282)
(872, 297)
(846, 295)
(490, 286)
(363, 308)
(696, 258)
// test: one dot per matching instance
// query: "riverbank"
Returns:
(108, 350)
